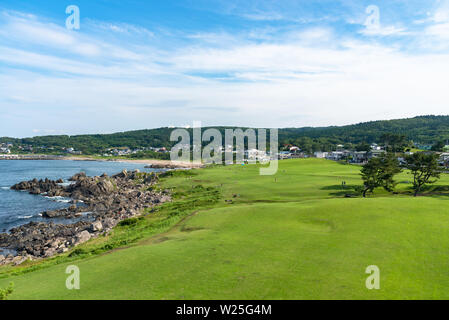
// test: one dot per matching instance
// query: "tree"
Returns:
(371, 175)
(438, 146)
(423, 166)
(363, 147)
(390, 168)
(380, 172)
(394, 142)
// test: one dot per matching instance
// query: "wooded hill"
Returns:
(423, 130)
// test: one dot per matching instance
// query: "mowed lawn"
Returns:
(288, 236)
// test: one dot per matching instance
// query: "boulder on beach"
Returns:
(82, 237)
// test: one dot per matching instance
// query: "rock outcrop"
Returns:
(99, 203)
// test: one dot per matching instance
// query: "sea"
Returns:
(19, 207)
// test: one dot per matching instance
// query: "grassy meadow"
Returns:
(233, 234)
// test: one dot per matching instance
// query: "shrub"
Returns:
(4, 293)
(130, 221)
(77, 252)
(177, 173)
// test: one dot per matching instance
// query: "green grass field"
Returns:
(245, 236)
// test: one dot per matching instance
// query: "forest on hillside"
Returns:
(428, 130)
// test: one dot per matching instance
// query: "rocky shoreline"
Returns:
(99, 202)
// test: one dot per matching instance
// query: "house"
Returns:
(72, 151)
(9, 156)
(284, 155)
(444, 156)
(375, 153)
(255, 154)
(122, 151)
(320, 154)
(299, 155)
(164, 150)
(375, 146)
(444, 159)
(5, 150)
(294, 149)
(359, 156)
(335, 155)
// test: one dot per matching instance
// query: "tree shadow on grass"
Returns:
(431, 190)
(352, 191)
(349, 190)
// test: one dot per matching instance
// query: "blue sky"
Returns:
(146, 64)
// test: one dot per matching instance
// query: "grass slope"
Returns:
(289, 236)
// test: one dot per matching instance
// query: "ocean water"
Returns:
(17, 207)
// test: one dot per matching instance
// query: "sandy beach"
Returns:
(150, 162)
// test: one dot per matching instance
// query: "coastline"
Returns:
(154, 163)
(101, 202)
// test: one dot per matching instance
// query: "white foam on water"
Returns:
(59, 199)
(66, 184)
(5, 188)
(24, 217)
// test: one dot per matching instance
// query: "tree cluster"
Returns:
(380, 172)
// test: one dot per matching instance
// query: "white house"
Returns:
(256, 155)
(359, 156)
(444, 159)
(284, 155)
(294, 149)
(320, 154)
(335, 155)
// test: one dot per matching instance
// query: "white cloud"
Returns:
(384, 31)
(123, 28)
(263, 16)
(440, 30)
(309, 77)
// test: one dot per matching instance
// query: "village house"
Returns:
(359, 156)
(299, 155)
(284, 155)
(5, 150)
(320, 154)
(375, 153)
(444, 159)
(294, 149)
(256, 155)
(72, 151)
(375, 146)
(335, 155)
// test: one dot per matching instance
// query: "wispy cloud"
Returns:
(384, 31)
(115, 76)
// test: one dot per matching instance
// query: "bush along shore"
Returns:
(100, 203)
